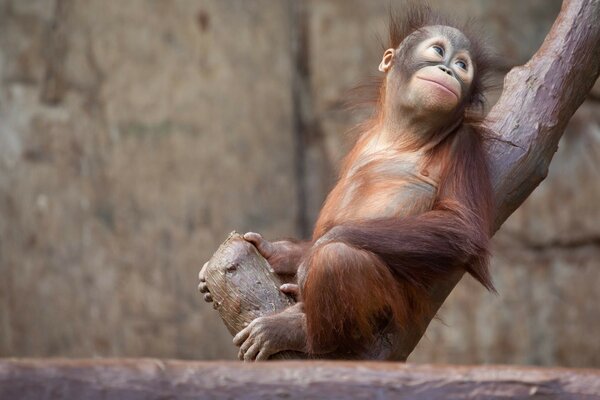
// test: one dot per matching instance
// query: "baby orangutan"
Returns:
(412, 205)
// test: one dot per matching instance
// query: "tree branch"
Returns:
(538, 100)
(536, 104)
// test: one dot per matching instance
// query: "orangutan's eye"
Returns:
(439, 50)
(461, 64)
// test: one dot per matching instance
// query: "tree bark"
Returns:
(537, 101)
(152, 379)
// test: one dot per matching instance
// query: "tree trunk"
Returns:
(537, 101)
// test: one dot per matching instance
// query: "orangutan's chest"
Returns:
(386, 187)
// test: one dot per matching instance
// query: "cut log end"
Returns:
(244, 286)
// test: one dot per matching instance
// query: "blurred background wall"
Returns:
(134, 135)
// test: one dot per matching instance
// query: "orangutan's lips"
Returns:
(440, 85)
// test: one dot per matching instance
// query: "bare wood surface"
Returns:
(242, 284)
(164, 379)
(537, 101)
(244, 287)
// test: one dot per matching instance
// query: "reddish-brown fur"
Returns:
(362, 271)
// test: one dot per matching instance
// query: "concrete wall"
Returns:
(135, 135)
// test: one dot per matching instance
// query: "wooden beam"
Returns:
(153, 379)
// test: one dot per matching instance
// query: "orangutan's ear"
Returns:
(386, 60)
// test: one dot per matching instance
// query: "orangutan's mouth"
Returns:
(440, 84)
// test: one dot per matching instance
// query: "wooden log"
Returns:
(244, 287)
(152, 379)
(242, 284)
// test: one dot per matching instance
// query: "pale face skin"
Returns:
(441, 72)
